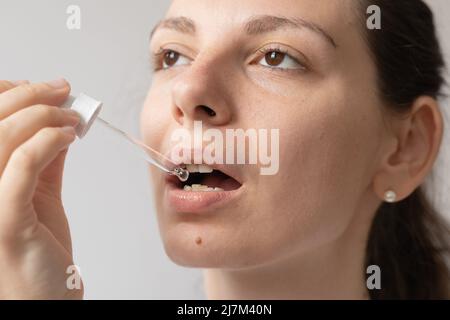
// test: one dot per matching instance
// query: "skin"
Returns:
(339, 150)
(35, 244)
(298, 234)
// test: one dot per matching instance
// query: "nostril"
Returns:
(210, 112)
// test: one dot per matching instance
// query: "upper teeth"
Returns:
(201, 168)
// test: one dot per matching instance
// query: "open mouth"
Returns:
(203, 178)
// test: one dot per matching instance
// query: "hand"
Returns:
(35, 244)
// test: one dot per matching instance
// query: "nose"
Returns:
(199, 94)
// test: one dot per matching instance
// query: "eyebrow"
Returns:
(254, 26)
(180, 24)
(264, 24)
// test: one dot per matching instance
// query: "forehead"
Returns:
(334, 17)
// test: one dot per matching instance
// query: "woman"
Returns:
(360, 129)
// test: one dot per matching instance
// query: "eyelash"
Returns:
(157, 60)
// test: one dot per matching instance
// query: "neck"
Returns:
(333, 271)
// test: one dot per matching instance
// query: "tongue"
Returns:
(220, 180)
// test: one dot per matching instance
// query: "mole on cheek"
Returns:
(198, 240)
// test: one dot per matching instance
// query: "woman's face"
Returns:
(300, 66)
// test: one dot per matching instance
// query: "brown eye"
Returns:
(275, 58)
(171, 58)
(279, 60)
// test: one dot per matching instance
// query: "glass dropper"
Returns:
(89, 108)
(150, 155)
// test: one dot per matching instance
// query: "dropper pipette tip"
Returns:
(181, 173)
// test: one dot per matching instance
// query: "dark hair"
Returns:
(408, 239)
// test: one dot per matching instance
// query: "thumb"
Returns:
(53, 174)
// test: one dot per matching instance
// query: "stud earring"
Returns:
(390, 196)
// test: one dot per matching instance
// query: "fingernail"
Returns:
(69, 130)
(70, 112)
(74, 121)
(58, 84)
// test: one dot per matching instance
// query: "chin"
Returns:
(207, 250)
(188, 246)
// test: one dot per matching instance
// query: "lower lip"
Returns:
(198, 202)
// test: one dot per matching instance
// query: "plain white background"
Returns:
(107, 193)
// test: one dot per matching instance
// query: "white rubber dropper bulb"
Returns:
(88, 108)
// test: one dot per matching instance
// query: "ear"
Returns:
(414, 145)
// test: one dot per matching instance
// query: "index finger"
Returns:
(52, 93)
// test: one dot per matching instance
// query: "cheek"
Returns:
(324, 155)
